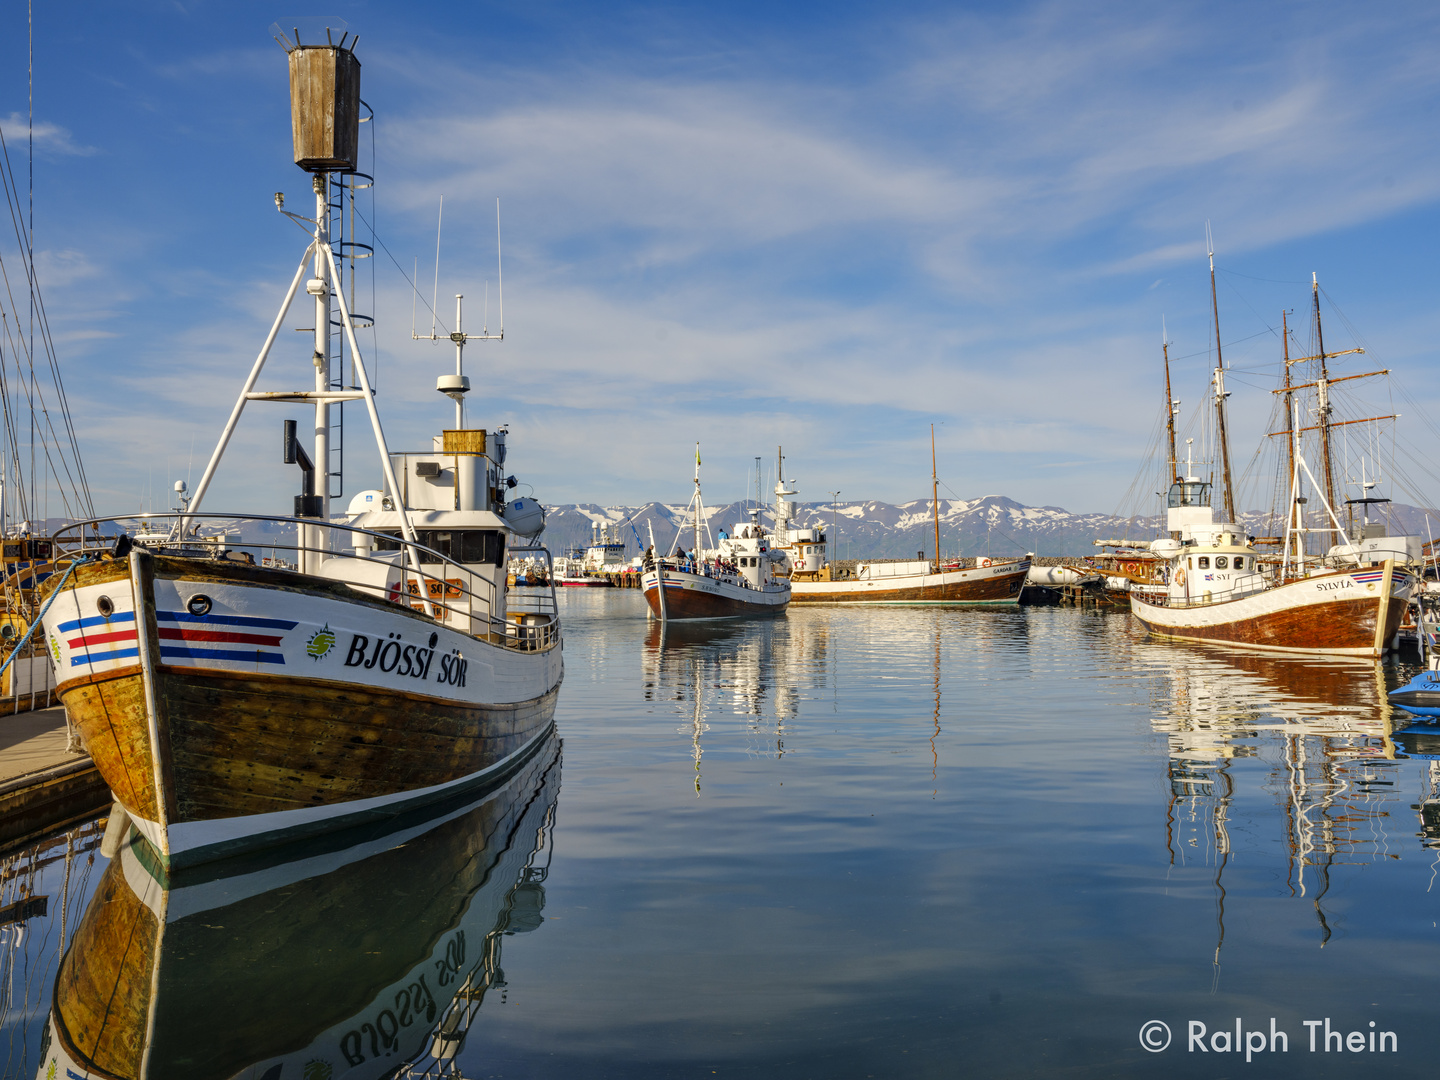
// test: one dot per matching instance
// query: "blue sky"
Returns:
(822, 225)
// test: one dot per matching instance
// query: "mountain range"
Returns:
(993, 525)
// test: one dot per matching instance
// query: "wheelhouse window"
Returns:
(461, 545)
(1239, 563)
(1204, 562)
(1222, 562)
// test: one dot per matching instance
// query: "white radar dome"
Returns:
(365, 501)
(525, 516)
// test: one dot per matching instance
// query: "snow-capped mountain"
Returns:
(993, 525)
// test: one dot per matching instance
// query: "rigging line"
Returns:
(32, 389)
(1272, 281)
(12, 428)
(401, 269)
(81, 490)
(23, 240)
(1245, 300)
(1229, 344)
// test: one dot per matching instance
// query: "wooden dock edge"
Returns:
(45, 801)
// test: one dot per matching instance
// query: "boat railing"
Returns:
(524, 618)
(707, 570)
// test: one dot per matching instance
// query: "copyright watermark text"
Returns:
(1155, 1036)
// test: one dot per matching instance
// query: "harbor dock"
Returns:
(43, 785)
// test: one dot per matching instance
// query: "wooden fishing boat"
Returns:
(710, 590)
(389, 945)
(1340, 612)
(233, 706)
(989, 583)
(1349, 602)
(732, 578)
(986, 582)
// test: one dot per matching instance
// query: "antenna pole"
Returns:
(1220, 393)
(459, 339)
(499, 269)
(435, 291)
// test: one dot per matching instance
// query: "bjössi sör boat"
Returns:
(232, 705)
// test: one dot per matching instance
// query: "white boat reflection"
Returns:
(1325, 733)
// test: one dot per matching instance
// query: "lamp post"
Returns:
(834, 543)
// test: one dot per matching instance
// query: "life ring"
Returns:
(982, 562)
(1131, 568)
(1180, 576)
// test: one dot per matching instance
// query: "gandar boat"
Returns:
(233, 705)
(985, 583)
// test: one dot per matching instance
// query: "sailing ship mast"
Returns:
(1171, 405)
(1322, 394)
(935, 498)
(1221, 435)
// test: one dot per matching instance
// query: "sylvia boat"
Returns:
(1219, 588)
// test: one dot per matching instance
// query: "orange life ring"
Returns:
(982, 562)
(1180, 576)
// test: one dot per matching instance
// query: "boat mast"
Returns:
(699, 502)
(1221, 435)
(1322, 395)
(935, 497)
(1290, 442)
(1170, 406)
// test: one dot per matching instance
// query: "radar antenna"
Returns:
(457, 386)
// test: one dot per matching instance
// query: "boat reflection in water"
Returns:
(756, 671)
(1323, 730)
(342, 963)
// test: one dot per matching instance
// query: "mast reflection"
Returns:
(757, 672)
(363, 962)
(1325, 729)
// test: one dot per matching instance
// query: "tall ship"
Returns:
(1346, 598)
(986, 582)
(377, 664)
(734, 577)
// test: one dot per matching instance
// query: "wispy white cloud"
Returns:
(981, 217)
(51, 140)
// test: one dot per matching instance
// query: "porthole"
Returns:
(105, 606)
(7, 632)
(198, 605)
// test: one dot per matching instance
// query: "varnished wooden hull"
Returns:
(983, 586)
(1330, 614)
(214, 752)
(263, 974)
(693, 596)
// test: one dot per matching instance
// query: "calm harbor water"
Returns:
(846, 843)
